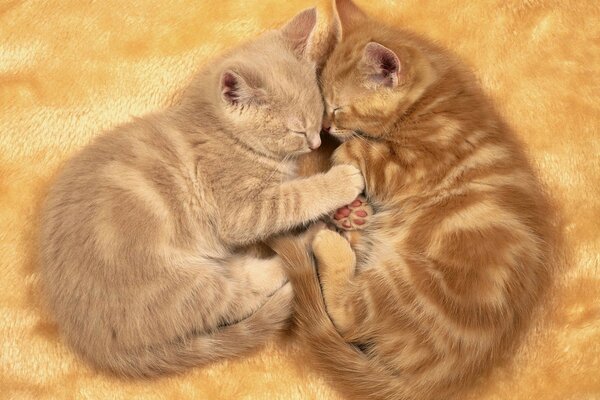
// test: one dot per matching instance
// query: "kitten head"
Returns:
(268, 91)
(372, 76)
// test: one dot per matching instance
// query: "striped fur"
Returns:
(143, 232)
(439, 285)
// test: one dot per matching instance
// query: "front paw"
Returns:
(354, 216)
(346, 182)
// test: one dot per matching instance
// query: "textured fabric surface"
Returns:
(69, 69)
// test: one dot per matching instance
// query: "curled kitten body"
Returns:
(141, 230)
(439, 285)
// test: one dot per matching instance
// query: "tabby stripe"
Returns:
(486, 156)
(133, 181)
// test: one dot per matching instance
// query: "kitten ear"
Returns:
(299, 31)
(235, 89)
(382, 65)
(347, 16)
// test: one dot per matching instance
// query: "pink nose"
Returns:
(325, 128)
(314, 142)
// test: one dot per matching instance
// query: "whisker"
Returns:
(356, 135)
(277, 168)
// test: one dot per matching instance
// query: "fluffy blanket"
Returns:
(71, 68)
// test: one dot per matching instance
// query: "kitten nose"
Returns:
(326, 126)
(314, 141)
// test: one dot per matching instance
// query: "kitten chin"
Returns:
(342, 137)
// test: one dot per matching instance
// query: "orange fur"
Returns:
(459, 251)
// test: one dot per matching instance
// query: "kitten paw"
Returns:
(312, 231)
(346, 180)
(331, 249)
(354, 216)
(266, 275)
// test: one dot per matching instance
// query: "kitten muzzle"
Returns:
(314, 141)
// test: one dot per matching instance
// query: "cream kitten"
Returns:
(140, 232)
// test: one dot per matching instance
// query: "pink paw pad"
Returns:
(354, 216)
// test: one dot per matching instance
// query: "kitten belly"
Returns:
(378, 242)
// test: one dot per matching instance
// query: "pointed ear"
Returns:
(347, 16)
(382, 66)
(299, 31)
(235, 89)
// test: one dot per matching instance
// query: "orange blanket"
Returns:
(71, 68)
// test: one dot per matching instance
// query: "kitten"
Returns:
(451, 264)
(141, 231)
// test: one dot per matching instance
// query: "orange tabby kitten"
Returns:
(141, 231)
(449, 267)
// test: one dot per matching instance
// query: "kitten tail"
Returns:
(345, 366)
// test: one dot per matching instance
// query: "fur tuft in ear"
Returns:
(299, 31)
(382, 65)
(348, 16)
(235, 89)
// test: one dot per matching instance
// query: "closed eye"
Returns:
(298, 132)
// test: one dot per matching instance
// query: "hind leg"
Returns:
(337, 263)
(198, 295)
(254, 280)
(227, 292)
